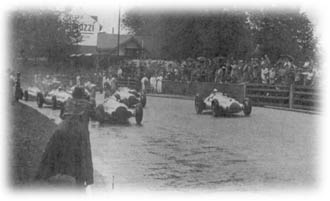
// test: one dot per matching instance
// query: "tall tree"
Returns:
(43, 33)
(285, 32)
(225, 32)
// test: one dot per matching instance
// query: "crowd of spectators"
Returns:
(223, 70)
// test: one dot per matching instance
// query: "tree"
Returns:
(286, 32)
(43, 33)
(188, 34)
(235, 33)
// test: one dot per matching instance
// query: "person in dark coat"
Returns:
(68, 151)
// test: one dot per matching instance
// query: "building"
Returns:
(100, 49)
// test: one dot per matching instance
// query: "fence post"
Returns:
(244, 90)
(291, 96)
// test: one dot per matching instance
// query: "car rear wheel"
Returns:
(40, 100)
(199, 105)
(26, 95)
(138, 114)
(143, 100)
(247, 107)
(54, 102)
(100, 113)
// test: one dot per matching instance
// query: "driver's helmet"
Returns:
(215, 90)
(117, 96)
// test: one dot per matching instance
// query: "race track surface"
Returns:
(176, 149)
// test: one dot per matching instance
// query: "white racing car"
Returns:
(47, 92)
(113, 111)
(55, 97)
(221, 104)
(130, 97)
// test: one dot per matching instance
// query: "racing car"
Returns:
(113, 111)
(89, 90)
(130, 97)
(221, 104)
(47, 92)
(55, 97)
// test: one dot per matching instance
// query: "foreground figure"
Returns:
(221, 104)
(68, 151)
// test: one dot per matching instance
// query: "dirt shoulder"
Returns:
(30, 132)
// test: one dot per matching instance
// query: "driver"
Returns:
(211, 96)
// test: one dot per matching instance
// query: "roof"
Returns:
(107, 41)
(84, 49)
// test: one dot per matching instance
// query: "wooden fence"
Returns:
(295, 97)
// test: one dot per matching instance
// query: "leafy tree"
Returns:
(43, 33)
(225, 32)
(286, 32)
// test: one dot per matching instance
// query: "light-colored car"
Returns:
(113, 111)
(130, 97)
(47, 92)
(220, 104)
(55, 97)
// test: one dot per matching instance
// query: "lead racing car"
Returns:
(221, 104)
(113, 111)
(130, 97)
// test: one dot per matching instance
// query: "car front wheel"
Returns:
(100, 113)
(139, 114)
(26, 95)
(199, 104)
(40, 100)
(247, 107)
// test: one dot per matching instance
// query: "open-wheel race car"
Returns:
(221, 104)
(89, 90)
(113, 111)
(130, 97)
(55, 97)
(47, 92)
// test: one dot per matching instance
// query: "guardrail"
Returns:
(295, 97)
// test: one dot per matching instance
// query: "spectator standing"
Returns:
(113, 84)
(272, 75)
(264, 74)
(159, 83)
(120, 73)
(153, 83)
(309, 77)
(68, 151)
(144, 82)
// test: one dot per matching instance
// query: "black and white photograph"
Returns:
(169, 98)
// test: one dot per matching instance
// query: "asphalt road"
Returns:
(176, 149)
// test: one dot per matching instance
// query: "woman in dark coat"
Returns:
(68, 151)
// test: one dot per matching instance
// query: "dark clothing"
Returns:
(68, 150)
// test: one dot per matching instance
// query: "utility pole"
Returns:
(118, 30)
